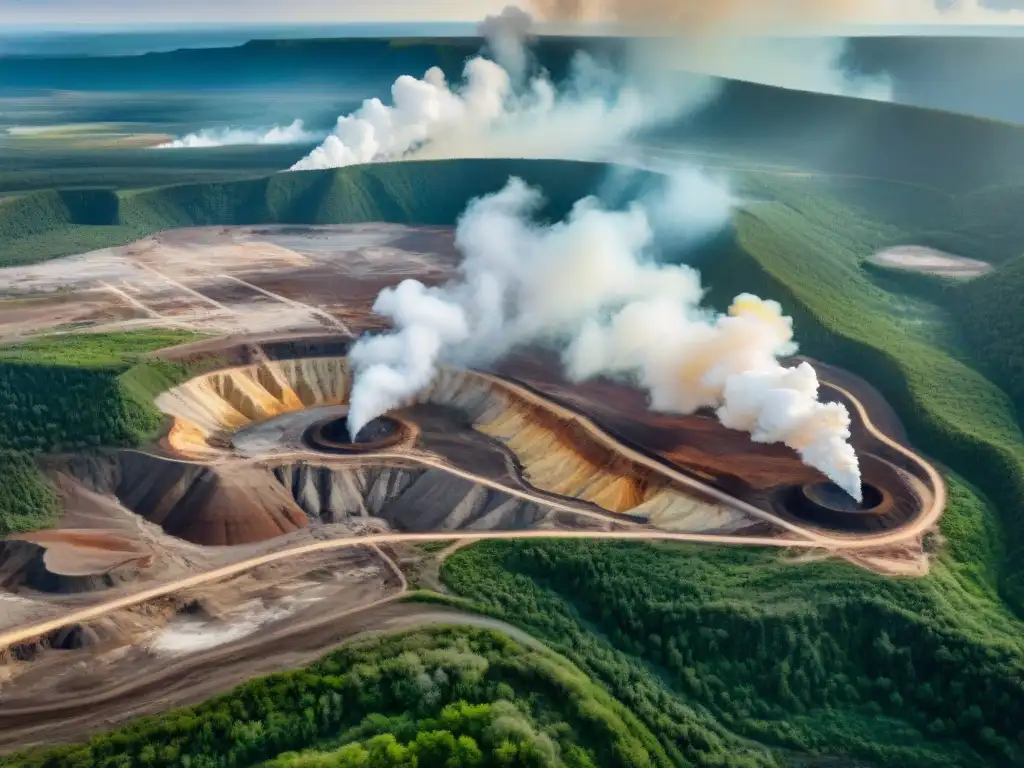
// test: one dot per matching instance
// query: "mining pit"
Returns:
(257, 461)
(333, 436)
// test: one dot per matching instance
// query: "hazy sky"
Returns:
(66, 13)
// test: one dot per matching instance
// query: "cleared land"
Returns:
(918, 258)
(233, 489)
(111, 688)
(223, 281)
(735, 614)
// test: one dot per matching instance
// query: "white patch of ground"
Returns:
(918, 258)
(190, 635)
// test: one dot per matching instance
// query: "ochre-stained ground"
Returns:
(232, 479)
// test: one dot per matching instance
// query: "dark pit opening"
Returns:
(333, 435)
(379, 429)
(831, 496)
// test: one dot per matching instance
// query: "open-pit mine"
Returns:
(256, 531)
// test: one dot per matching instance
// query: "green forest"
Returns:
(807, 250)
(49, 223)
(660, 655)
(71, 393)
(654, 655)
(818, 659)
(431, 699)
(990, 309)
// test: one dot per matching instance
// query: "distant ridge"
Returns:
(52, 223)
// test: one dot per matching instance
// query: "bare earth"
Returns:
(224, 280)
(918, 258)
(229, 550)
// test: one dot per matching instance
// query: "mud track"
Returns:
(800, 537)
(197, 677)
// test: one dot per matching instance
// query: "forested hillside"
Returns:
(674, 656)
(714, 656)
(46, 224)
(821, 659)
(71, 393)
(991, 311)
(805, 249)
(832, 134)
(433, 699)
(266, 64)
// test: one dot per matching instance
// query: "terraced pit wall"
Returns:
(559, 456)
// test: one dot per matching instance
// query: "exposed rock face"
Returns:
(409, 499)
(200, 504)
(35, 566)
(207, 505)
(557, 455)
(71, 638)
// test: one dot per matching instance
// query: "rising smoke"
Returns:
(739, 39)
(507, 35)
(507, 107)
(816, 64)
(295, 133)
(590, 285)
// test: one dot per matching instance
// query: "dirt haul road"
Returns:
(928, 517)
(200, 676)
(811, 540)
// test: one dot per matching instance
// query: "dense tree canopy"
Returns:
(71, 393)
(711, 641)
(447, 697)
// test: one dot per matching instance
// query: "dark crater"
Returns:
(332, 436)
(888, 502)
(831, 496)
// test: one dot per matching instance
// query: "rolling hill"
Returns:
(991, 312)
(266, 64)
(803, 243)
(53, 223)
(948, 152)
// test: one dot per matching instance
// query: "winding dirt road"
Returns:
(807, 539)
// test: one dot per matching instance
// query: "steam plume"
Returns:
(506, 35)
(420, 109)
(688, 359)
(805, 63)
(295, 133)
(701, 16)
(589, 284)
(492, 113)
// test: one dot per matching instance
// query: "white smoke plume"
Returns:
(492, 114)
(420, 109)
(507, 34)
(590, 283)
(295, 133)
(688, 359)
(813, 64)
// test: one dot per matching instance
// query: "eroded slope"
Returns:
(558, 455)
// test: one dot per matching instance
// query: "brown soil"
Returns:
(80, 553)
(56, 567)
(696, 444)
(184, 279)
(209, 506)
(90, 679)
(725, 458)
(106, 695)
